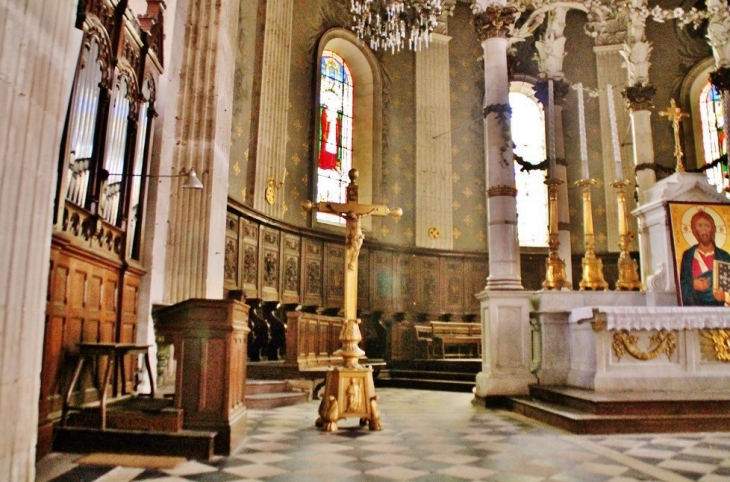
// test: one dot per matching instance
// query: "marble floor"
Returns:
(429, 436)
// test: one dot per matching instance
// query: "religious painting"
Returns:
(701, 250)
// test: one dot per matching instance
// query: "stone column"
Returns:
(492, 21)
(37, 64)
(270, 157)
(196, 239)
(505, 306)
(551, 51)
(434, 213)
(638, 94)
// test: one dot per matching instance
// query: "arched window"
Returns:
(528, 134)
(335, 140)
(714, 133)
(348, 126)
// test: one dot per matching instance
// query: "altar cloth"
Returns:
(654, 317)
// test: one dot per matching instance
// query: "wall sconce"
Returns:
(272, 186)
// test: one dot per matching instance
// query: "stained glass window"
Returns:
(335, 132)
(528, 134)
(714, 133)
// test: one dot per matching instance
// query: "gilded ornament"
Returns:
(662, 342)
(719, 341)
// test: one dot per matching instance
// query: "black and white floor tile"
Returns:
(428, 436)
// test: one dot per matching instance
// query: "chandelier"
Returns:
(385, 24)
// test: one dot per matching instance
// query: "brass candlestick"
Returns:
(592, 266)
(628, 269)
(555, 277)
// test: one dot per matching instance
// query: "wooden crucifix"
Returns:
(349, 390)
(675, 115)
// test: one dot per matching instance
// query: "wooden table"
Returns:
(115, 353)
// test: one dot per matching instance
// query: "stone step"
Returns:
(579, 422)
(583, 411)
(273, 400)
(256, 387)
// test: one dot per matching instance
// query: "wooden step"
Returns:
(191, 444)
(141, 413)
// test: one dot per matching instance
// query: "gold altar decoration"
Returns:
(674, 114)
(592, 277)
(349, 390)
(555, 276)
(662, 342)
(628, 269)
(718, 342)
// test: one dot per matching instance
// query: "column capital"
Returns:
(495, 22)
(447, 10)
(721, 78)
(639, 96)
(560, 91)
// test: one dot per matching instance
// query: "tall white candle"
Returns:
(582, 132)
(551, 130)
(619, 170)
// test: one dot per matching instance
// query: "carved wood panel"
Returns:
(270, 264)
(312, 278)
(476, 280)
(231, 259)
(363, 278)
(382, 281)
(291, 269)
(334, 281)
(428, 285)
(406, 275)
(250, 247)
(452, 293)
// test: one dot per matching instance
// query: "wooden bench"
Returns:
(443, 339)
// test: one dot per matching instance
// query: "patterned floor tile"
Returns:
(421, 443)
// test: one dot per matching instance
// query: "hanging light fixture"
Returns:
(386, 24)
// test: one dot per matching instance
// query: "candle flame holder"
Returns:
(628, 269)
(592, 278)
(555, 276)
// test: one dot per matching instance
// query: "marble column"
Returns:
(505, 306)
(37, 64)
(196, 236)
(272, 129)
(638, 94)
(434, 213)
(492, 23)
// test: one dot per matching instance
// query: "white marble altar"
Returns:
(612, 341)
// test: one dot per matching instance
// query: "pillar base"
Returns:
(506, 344)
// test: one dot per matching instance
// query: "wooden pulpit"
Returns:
(209, 340)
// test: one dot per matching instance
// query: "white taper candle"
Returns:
(551, 130)
(618, 167)
(582, 133)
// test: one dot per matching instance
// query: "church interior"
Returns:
(507, 218)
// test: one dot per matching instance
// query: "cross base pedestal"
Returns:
(349, 392)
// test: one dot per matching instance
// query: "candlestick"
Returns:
(618, 168)
(555, 275)
(628, 269)
(551, 130)
(592, 278)
(582, 133)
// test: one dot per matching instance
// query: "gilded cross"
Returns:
(674, 114)
(352, 212)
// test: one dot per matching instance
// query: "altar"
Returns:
(632, 341)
